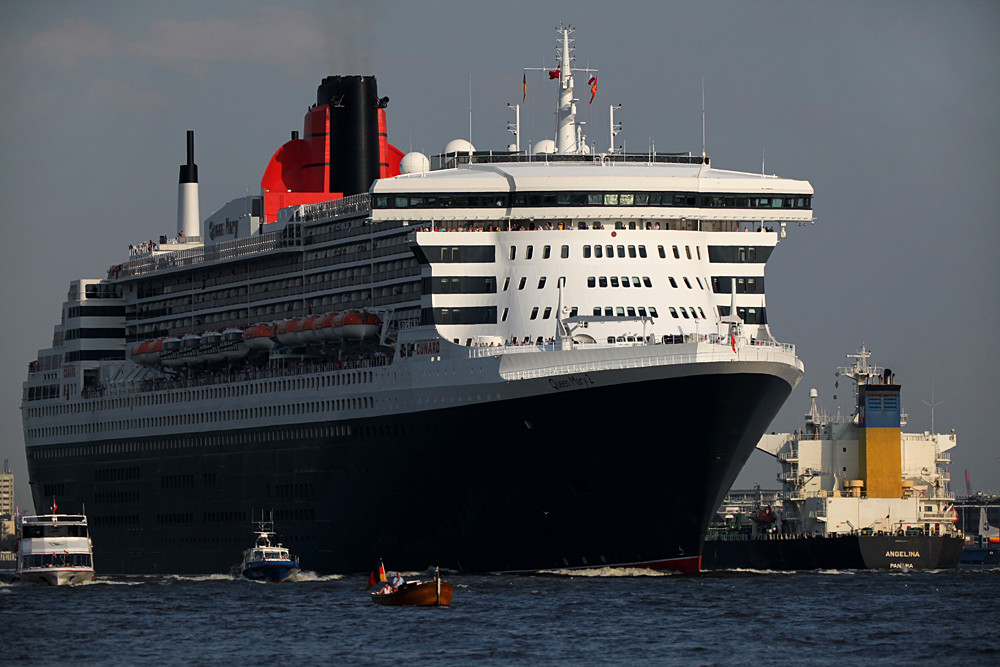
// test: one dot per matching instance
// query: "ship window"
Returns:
(702, 312)
(621, 251)
(642, 312)
(677, 253)
(573, 311)
(673, 312)
(647, 281)
(700, 286)
(635, 281)
(547, 312)
(688, 283)
(751, 254)
(506, 283)
(534, 312)
(586, 251)
(661, 251)
(632, 251)
(503, 318)
(609, 311)
(610, 199)
(642, 251)
(697, 249)
(652, 311)
(520, 284)
(513, 253)
(609, 251)
(603, 281)
(742, 254)
(626, 200)
(564, 252)
(614, 281)
(529, 251)
(591, 281)
(687, 250)
(598, 251)
(597, 311)
(541, 282)
(620, 311)
(684, 313)
(546, 252)
(694, 314)
(594, 198)
(631, 311)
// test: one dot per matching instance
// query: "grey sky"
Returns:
(890, 109)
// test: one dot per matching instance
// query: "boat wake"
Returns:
(610, 572)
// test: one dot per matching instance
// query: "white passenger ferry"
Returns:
(54, 549)
(488, 360)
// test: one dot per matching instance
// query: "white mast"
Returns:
(566, 131)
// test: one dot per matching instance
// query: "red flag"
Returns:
(524, 87)
(54, 506)
(371, 579)
(733, 339)
(593, 88)
(555, 74)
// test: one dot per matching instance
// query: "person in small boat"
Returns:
(397, 581)
(386, 589)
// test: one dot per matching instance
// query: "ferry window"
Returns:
(513, 253)
(541, 282)
(661, 251)
(564, 252)
(684, 313)
(688, 283)
(609, 251)
(751, 254)
(631, 224)
(610, 199)
(594, 199)
(597, 311)
(614, 281)
(700, 286)
(547, 312)
(573, 311)
(591, 281)
(742, 254)
(620, 311)
(635, 281)
(694, 313)
(520, 284)
(673, 283)
(631, 311)
(641, 198)
(528, 252)
(621, 251)
(586, 251)
(687, 249)
(677, 253)
(603, 281)
(626, 200)
(652, 311)
(625, 282)
(642, 251)
(506, 283)
(534, 312)
(598, 251)
(609, 311)
(752, 285)
(642, 312)
(631, 251)
(741, 285)
(702, 312)
(546, 252)
(647, 281)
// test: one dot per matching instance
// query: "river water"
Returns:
(596, 617)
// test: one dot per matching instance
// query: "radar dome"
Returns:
(414, 163)
(459, 146)
(545, 146)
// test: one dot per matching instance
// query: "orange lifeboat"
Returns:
(285, 331)
(323, 327)
(305, 330)
(259, 336)
(356, 324)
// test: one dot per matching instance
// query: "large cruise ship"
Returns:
(508, 360)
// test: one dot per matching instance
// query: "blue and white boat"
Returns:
(265, 561)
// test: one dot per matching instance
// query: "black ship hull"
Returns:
(840, 552)
(607, 475)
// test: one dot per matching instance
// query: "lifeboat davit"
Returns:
(232, 344)
(259, 336)
(356, 324)
(209, 350)
(285, 331)
(170, 349)
(190, 344)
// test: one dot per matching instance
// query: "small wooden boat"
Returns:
(433, 593)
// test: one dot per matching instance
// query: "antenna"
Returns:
(470, 107)
(703, 153)
(614, 128)
(763, 154)
(932, 405)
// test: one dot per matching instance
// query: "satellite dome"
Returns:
(414, 163)
(545, 146)
(459, 146)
